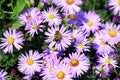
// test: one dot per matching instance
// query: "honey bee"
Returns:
(57, 36)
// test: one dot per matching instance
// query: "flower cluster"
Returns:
(76, 42)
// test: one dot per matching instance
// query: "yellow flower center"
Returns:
(102, 43)
(10, 40)
(108, 60)
(74, 62)
(112, 33)
(81, 45)
(51, 68)
(53, 49)
(34, 26)
(51, 16)
(119, 2)
(57, 36)
(30, 61)
(72, 16)
(69, 2)
(60, 75)
(90, 23)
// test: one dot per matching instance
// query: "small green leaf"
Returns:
(18, 8)
(16, 25)
(27, 3)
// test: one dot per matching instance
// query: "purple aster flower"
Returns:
(58, 38)
(70, 6)
(76, 34)
(12, 37)
(115, 6)
(3, 75)
(77, 19)
(29, 15)
(48, 67)
(93, 22)
(52, 17)
(33, 27)
(82, 45)
(79, 63)
(106, 60)
(61, 71)
(111, 33)
(100, 45)
(29, 63)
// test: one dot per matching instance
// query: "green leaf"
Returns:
(27, 3)
(16, 25)
(18, 8)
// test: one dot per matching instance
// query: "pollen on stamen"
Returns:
(60, 75)
(90, 23)
(10, 40)
(69, 2)
(51, 16)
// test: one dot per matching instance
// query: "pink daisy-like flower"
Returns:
(48, 67)
(111, 33)
(79, 63)
(76, 34)
(70, 6)
(102, 47)
(61, 71)
(115, 6)
(50, 52)
(3, 75)
(106, 59)
(93, 22)
(29, 63)
(12, 37)
(58, 38)
(82, 45)
(29, 15)
(33, 27)
(102, 69)
(52, 17)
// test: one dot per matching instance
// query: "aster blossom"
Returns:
(115, 6)
(93, 22)
(111, 33)
(33, 27)
(3, 74)
(27, 16)
(82, 45)
(76, 34)
(51, 16)
(61, 71)
(12, 37)
(29, 63)
(58, 38)
(107, 60)
(78, 62)
(100, 45)
(48, 67)
(70, 6)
